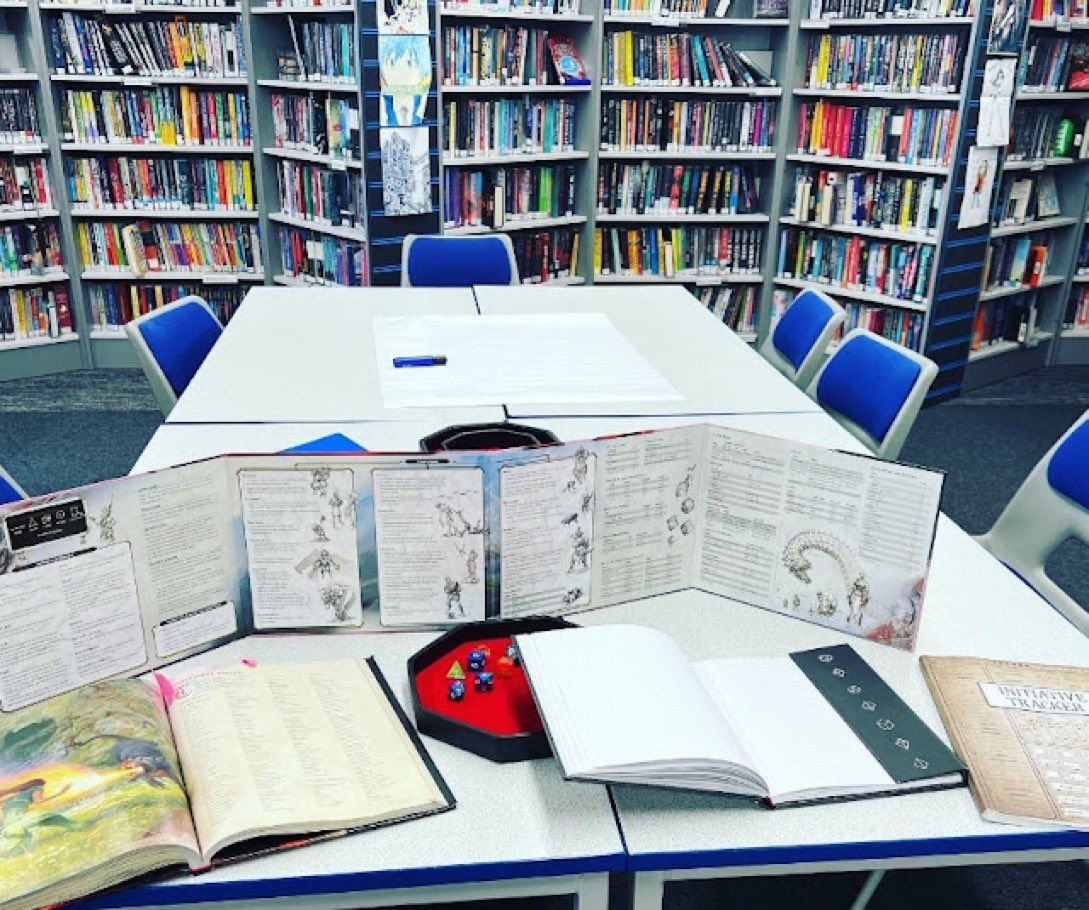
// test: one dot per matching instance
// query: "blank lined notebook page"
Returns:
(539, 358)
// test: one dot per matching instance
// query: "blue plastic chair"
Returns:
(171, 344)
(457, 262)
(1051, 506)
(798, 345)
(10, 491)
(874, 388)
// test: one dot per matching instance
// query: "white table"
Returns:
(178, 443)
(307, 355)
(519, 829)
(973, 606)
(708, 364)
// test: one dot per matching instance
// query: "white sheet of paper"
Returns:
(68, 623)
(531, 359)
(993, 128)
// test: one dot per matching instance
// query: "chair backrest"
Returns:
(457, 262)
(1051, 506)
(10, 491)
(798, 345)
(874, 388)
(171, 344)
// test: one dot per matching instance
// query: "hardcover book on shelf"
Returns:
(731, 726)
(126, 777)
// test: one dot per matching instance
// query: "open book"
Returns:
(125, 777)
(621, 704)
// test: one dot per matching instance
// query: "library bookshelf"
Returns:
(943, 309)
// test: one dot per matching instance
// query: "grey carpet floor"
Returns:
(81, 427)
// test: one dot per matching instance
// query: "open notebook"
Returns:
(124, 777)
(622, 704)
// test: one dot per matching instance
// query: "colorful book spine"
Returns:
(321, 194)
(889, 268)
(1004, 320)
(544, 256)
(679, 252)
(633, 58)
(160, 184)
(893, 9)
(736, 306)
(1019, 261)
(1038, 131)
(509, 126)
(24, 184)
(166, 115)
(685, 189)
(1077, 309)
(492, 197)
(322, 50)
(318, 124)
(663, 124)
(879, 200)
(19, 123)
(544, 7)
(147, 247)
(496, 55)
(909, 135)
(899, 62)
(311, 258)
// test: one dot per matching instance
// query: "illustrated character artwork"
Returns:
(319, 565)
(452, 590)
(402, 17)
(579, 471)
(471, 575)
(320, 534)
(319, 481)
(338, 599)
(800, 566)
(406, 172)
(580, 552)
(336, 510)
(405, 78)
(105, 523)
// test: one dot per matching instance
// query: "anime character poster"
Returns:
(402, 17)
(1007, 27)
(404, 68)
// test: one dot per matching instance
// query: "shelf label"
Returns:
(338, 164)
(1036, 166)
(136, 81)
(708, 281)
(119, 9)
(219, 279)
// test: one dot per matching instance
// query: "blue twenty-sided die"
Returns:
(457, 690)
(484, 681)
(512, 653)
(476, 660)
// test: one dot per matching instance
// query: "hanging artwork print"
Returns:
(404, 67)
(402, 17)
(406, 171)
(1007, 26)
(975, 206)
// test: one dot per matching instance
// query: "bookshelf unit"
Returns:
(882, 171)
(1033, 334)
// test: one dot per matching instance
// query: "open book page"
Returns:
(294, 748)
(67, 623)
(301, 546)
(797, 740)
(1023, 730)
(647, 519)
(547, 532)
(837, 539)
(624, 697)
(90, 793)
(430, 534)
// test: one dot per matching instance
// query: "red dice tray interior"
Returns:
(503, 724)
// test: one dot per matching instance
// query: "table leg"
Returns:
(647, 890)
(593, 892)
(868, 889)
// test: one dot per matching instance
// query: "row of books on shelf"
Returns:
(96, 45)
(893, 9)
(1008, 319)
(889, 268)
(736, 306)
(160, 184)
(35, 312)
(1059, 10)
(867, 199)
(696, 252)
(902, 326)
(320, 194)
(313, 258)
(1042, 131)
(19, 123)
(1013, 262)
(547, 255)
(29, 248)
(1077, 309)
(1056, 63)
(165, 115)
(169, 246)
(661, 124)
(491, 197)
(155, 5)
(900, 62)
(632, 58)
(671, 189)
(1023, 198)
(680, 9)
(319, 124)
(528, 7)
(910, 135)
(319, 50)
(508, 126)
(24, 184)
(512, 55)
(112, 304)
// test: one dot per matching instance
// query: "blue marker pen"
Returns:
(429, 361)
